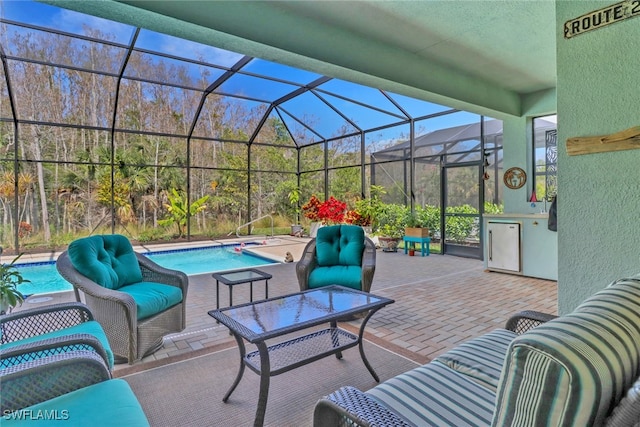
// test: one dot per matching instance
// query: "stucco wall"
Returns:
(598, 194)
(517, 148)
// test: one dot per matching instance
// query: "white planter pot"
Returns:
(313, 229)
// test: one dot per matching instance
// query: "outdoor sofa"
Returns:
(580, 369)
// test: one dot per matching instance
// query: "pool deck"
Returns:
(441, 300)
(273, 248)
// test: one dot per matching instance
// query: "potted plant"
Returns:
(390, 230)
(354, 217)
(415, 226)
(366, 211)
(331, 211)
(310, 211)
(10, 278)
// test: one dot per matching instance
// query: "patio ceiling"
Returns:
(461, 53)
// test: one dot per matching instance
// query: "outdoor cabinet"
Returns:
(504, 246)
(537, 248)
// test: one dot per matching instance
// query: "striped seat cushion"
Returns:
(435, 395)
(481, 358)
(573, 370)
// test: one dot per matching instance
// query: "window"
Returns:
(545, 156)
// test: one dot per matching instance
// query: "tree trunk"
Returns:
(43, 203)
(42, 193)
(155, 186)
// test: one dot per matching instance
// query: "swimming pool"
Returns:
(45, 278)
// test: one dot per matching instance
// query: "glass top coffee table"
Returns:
(260, 321)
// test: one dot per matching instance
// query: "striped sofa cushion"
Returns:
(435, 395)
(481, 358)
(573, 370)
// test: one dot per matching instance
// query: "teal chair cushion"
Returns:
(345, 275)
(108, 260)
(152, 298)
(340, 245)
(107, 404)
(91, 327)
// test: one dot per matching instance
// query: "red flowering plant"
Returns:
(355, 218)
(331, 211)
(311, 208)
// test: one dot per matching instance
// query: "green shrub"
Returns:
(459, 228)
(151, 234)
(429, 217)
(392, 220)
(492, 208)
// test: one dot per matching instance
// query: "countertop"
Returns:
(517, 215)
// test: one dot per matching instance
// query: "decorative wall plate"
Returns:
(515, 178)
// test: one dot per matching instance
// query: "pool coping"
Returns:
(260, 250)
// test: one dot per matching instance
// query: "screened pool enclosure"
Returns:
(111, 128)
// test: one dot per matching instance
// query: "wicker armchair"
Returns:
(309, 260)
(34, 333)
(130, 336)
(74, 386)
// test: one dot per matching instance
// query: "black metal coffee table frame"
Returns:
(276, 359)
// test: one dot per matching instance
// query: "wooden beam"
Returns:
(628, 139)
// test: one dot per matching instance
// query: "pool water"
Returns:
(45, 278)
(207, 260)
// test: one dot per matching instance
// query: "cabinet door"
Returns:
(504, 246)
(539, 250)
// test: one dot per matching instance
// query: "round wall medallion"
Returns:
(514, 178)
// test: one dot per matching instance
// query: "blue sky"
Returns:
(73, 22)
